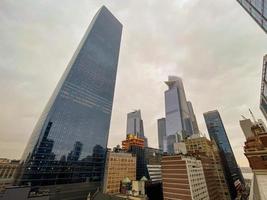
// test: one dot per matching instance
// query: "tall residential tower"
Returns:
(68, 143)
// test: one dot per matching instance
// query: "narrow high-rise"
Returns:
(135, 125)
(68, 143)
(257, 9)
(217, 133)
(179, 114)
(161, 132)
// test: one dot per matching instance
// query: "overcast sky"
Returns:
(214, 46)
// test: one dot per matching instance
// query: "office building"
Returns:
(147, 159)
(256, 152)
(136, 146)
(161, 132)
(135, 125)
(7, 171)
(263, 95)
(208, 153)
(179, 117)
(183, 178)
(193, 118)
(119, 165)
(218, 134)
(68, 143)
(257, 9)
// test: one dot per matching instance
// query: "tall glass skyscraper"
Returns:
(178, 117)
(263, 102)
(135, 125)
(218, 134)
(68, 143)
(257, 9)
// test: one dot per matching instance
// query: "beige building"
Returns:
(183, 178)
(7, 171)
(208, 153)
(118, 166)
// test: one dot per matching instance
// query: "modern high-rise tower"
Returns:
(257, 9)
(263, 101)
(68, 143)
(178, 114)
(218, 134)
(135, 125)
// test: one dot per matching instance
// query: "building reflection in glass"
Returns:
(68, 144)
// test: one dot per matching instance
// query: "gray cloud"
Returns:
(213, 45)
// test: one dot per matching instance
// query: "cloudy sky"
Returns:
(213, 45)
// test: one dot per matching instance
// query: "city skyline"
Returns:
(26, 73)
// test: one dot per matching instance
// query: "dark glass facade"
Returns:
(218, 134)
(257, 9)
(68, 144)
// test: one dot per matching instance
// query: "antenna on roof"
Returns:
(243, 117)
(253, 117)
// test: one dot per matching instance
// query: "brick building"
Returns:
(183, 178)
(208, 153)
(119, 165)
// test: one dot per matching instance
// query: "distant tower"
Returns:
(218, 134)
(135, 125)
(68, 144)
(179, 113)
(161, 132)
